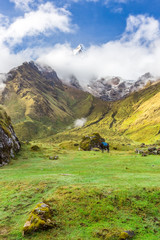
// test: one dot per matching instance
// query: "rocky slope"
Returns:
(115, 88)
(9, 143)
(41, 105)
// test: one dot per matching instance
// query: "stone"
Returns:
(76, 144)
(142, 145)
(39, 219)
(139, 151)
(35, 148)
(152, 149)
(144, 154)
(53, 158)
(126, 235)
(158, 151)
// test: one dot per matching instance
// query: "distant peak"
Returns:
(79, 49)
(146, 76)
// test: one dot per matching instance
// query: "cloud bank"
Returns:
(45, 20)
(135, 53)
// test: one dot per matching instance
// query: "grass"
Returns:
(92, 195)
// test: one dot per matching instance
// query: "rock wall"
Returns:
(9, 143)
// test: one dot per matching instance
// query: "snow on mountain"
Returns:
(79, 49)
(114, 88)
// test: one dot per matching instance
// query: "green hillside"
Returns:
(40, 105)
(135, 118)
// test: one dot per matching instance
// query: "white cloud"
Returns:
(117, 10)
(22, 4)
(80, 122)
(137, 52)
(46, 18)
(116, 1)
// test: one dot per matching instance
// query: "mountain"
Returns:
(79, 49)
(115, 88)
(41, 105)
(9, 143)
(134, 118)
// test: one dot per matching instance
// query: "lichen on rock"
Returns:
(39, 219)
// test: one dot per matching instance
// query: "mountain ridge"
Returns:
(40, 104)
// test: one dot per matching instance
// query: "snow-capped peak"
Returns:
(79, 49)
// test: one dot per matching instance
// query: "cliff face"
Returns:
(9, 143)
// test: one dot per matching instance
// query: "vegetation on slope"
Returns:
(135, 118)
(40, 105)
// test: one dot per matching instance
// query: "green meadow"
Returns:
(92, 195)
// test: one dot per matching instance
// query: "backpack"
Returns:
(105, 144)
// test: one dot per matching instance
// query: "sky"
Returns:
(121, 37)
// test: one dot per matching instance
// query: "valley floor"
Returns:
(92, 195)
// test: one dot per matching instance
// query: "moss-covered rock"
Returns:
(91, 141)
(39, 219)
(9, 143)
(126, 235)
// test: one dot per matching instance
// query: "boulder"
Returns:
(139, 151)
(35, 148)
(158, 151)
(142, 145)
(152, 149)
(91, 141)
(9, 143)
(39, 219)
(53, 158)
(144, 154)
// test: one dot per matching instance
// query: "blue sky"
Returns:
(97, 21)
(116, 33)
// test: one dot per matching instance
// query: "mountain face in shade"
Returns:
(40, 104)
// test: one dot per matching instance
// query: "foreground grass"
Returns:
(103, 193)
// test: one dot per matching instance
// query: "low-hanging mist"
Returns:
(135, 53)
(80, 122)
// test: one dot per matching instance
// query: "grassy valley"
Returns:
(92, 195)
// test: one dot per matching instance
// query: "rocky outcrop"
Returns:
(9, 143)
(115, 88)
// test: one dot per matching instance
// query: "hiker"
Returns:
(104, 146)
